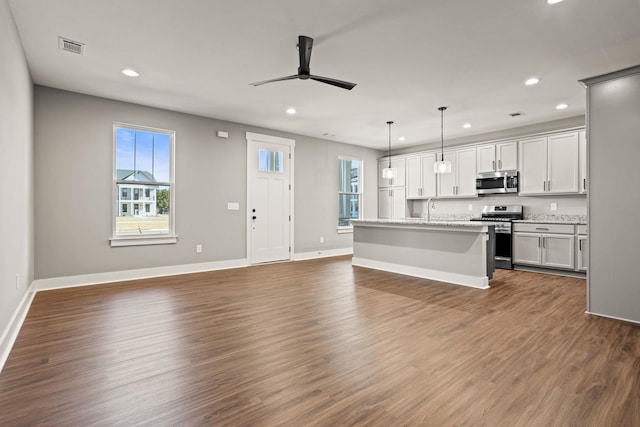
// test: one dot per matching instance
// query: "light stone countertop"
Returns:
(422, 221)
(555, 219)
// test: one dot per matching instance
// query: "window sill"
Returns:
(142, 241)
(345, 230)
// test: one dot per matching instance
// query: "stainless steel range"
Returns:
(502, 216)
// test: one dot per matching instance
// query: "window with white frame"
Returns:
(349, 191)
(143, 186)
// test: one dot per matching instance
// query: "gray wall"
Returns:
(613, 158)
(16, 169)
(73, 159)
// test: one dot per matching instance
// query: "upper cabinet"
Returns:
(399, 164)
(421, 179)
(549, 164)
(583, 161)
(502, 156)
(461, 182)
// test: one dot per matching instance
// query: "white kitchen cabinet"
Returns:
(544, 245)
(582, 136)
(399, 163)
(502, 156)
(421, 179)
(549, 164)
(461, 182)
(392, 203)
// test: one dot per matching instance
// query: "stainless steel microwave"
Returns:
(497, 182)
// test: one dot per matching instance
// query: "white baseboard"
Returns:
(301, 256)
(9, 335)
(613, 317)
(142, 273)
(424, 273)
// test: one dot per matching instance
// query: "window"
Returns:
(349, 191)
(143, 170)
(270, 161)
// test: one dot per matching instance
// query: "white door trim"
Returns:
(257, 137)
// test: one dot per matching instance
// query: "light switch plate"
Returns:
(554, 206)
(233, 206)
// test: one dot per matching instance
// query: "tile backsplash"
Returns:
(574, 206)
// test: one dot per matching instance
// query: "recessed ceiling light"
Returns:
(402, 138)
(561, 106)
(553, 1)
(532, 81)
(130, 73)
(466, 125)
(291, 111)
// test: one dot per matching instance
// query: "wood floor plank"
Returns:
(321, 343)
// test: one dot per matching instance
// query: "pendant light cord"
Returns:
(442, 133)
(389, 153)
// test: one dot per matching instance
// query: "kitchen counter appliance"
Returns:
(502, 215)
(497, 182)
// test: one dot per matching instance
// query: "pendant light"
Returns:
(389, 172)
(442, 166)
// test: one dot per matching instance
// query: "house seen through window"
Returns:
(143, 181)
(349, 191)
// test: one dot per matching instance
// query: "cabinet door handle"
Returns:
(543, 242)
(544, 185)
(584, 184)
(500, 164)
(548, 185)
(493, 163)
(539, 244)
(580, 245)
(542, 228)
(390, 181)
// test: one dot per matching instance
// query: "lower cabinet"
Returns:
(392, 203)
(544, 245)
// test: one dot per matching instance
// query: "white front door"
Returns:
(269, 201)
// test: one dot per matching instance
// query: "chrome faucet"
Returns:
(429, 206)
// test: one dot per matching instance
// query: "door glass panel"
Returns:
(270, 161)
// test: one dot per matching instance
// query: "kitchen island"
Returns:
(460, 252)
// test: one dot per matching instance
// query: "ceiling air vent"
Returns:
(71, 46)
(516, 114)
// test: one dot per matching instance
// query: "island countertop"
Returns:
(475, 225)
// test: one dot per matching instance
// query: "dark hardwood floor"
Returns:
(321, 343)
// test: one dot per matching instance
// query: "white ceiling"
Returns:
(408, 57)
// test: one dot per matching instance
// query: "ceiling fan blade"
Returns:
(279, 79)
(334, 82)
(305, 44)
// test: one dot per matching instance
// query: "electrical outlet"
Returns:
(554, 206)
(199, 249)
(470, 206)
(17, 281)
(321, 239)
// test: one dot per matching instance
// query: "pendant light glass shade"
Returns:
(389, 172)
(442, 166)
